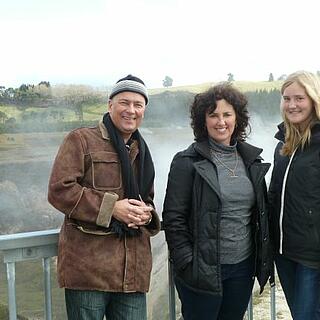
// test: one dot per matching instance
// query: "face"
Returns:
(127, 111)
(221, 122)
(297, 105)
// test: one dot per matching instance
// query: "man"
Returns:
(102, 180)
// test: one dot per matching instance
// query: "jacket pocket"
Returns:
(207, 242)
(106, 171)
(186, 274)
(314, 226)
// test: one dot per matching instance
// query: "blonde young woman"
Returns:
(294, 195)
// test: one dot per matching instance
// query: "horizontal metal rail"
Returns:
(44, 245)
(29, 246)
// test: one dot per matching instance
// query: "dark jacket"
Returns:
(300, 232)
(192, 213)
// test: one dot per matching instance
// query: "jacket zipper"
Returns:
(282, 200)
(256, 240)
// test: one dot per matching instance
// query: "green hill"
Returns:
(244, 86)
(167, 107)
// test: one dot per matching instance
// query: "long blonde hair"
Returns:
(293, 137)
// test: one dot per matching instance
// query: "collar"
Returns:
(280, 134)
(315, 132)
(134, 149)
(103, 130)
(248, 152)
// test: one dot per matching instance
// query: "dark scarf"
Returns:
(132, 188)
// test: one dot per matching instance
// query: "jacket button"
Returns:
(265, 239)
(262, 213)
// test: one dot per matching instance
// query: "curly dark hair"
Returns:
(205, 102)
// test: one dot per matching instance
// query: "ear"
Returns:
(110, 105)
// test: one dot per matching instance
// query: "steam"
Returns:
(25, 170)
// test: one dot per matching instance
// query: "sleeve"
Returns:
(177, 211)
(65, 191)
(155, 225)
(274, 189)
(274, 195)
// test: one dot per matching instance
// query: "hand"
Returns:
(132, 212)
(142, 210)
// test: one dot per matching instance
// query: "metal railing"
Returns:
(29, 246)
(249, 316)
(44, 245)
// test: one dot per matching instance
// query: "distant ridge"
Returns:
(245, 86)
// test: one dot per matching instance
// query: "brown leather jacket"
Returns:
(85, 182)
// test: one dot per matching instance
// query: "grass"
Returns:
(94, 112)
(261, 303)
(11, 111)
(4, 313)
(29, 291)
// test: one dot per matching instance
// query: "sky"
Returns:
(96, 42)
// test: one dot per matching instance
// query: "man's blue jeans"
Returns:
(301, 286)
(94, 305)
(237, 283)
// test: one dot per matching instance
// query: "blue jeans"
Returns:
(237, 284)
(94, 305)
(301, 286)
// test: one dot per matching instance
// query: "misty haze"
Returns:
(26, 158)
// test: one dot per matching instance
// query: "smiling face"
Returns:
(297, 105)
(126, 111)
(221, 122)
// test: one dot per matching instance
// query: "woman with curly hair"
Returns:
(214, 216)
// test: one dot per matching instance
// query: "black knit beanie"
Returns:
(132, 84)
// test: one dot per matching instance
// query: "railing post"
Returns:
(47, 288)
(250, 309)
(11, 277)
(172, 295)
(33, 245)
(27, 246)
(273, 302)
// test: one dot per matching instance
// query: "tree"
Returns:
(3, 117)
(25, 95)
(76, 97)
(44, 83)
(2, 94)
(271, 78)
(282, 77)
(9, 93)
(43, 89)
(24, 87)
(167, 82)
(230, 77)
